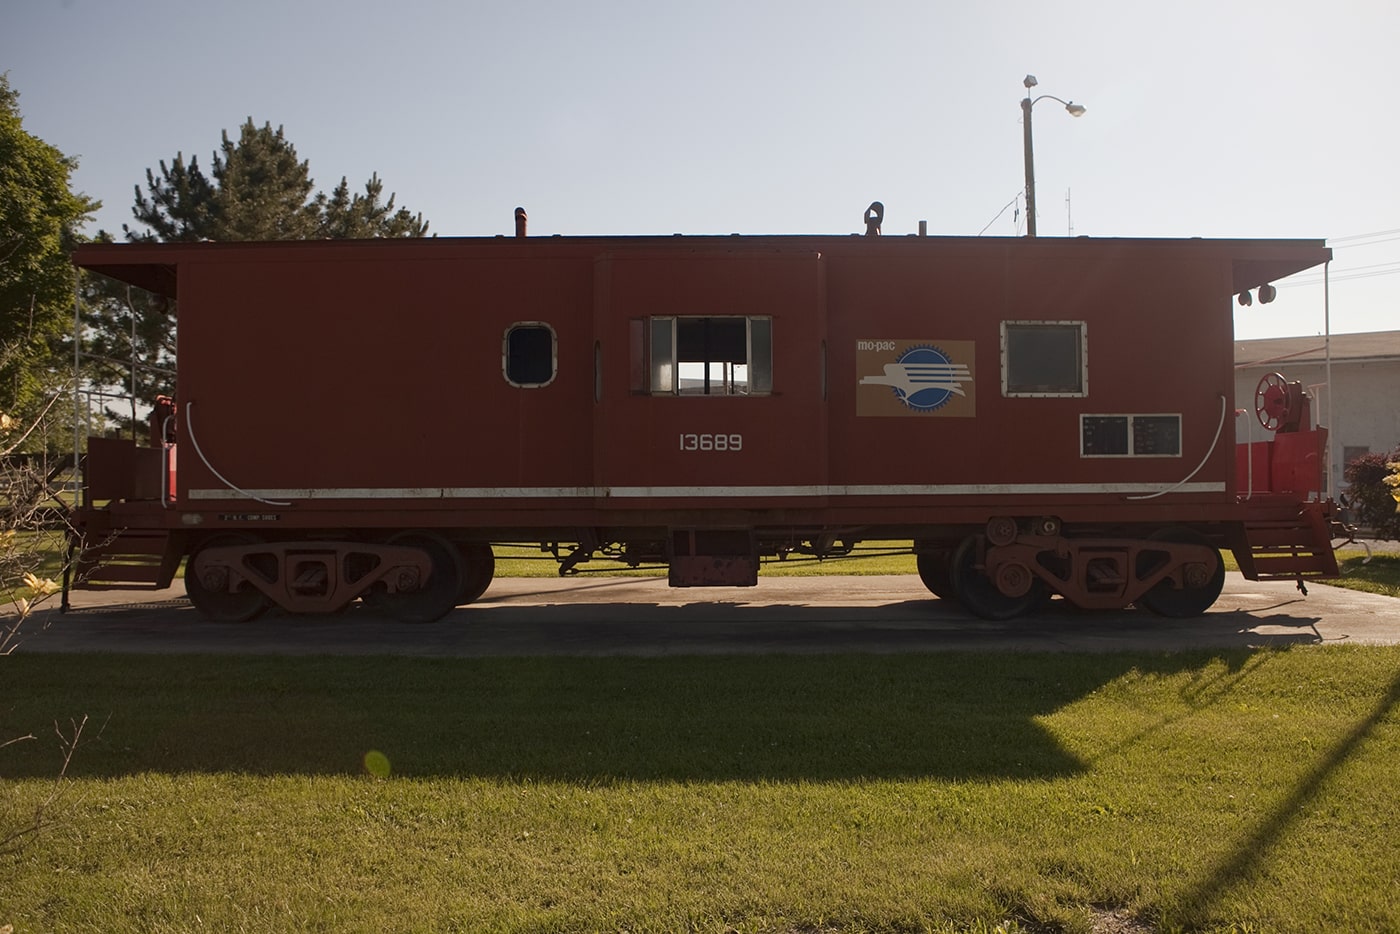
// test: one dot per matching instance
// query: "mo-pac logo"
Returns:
(915, 377)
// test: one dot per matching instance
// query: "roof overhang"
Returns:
(1271, 261)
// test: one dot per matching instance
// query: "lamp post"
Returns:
(1075, 110)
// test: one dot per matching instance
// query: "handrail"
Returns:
(1213, 442)
(189, 430)
(166, 494)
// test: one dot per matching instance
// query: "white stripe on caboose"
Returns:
(703, 492)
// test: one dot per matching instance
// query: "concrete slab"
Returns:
(589, 615)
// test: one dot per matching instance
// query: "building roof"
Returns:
(1352, 348)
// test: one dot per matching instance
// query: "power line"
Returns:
(1341, 275)
(1353, 272)
(1000, 213)
(1367, 236)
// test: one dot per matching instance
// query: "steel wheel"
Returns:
(976, 591)
(480, 567)
(438, 596)
(211, 596)
(934, 570)
(1187, 601)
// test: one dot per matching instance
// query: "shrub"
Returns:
(1371, 494)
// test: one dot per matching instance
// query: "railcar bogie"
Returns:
(219, 579)
(1189, 587)
(426, 591)
(993, 591)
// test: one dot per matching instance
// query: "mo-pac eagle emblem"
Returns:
(915, 377)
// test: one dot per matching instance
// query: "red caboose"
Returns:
(364, 419)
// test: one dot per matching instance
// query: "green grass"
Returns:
(869, 558)
(38, 553)
(949, 792)
(1379, 575)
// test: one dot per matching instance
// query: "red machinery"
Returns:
(363, 420)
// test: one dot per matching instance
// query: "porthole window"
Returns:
(530, 355)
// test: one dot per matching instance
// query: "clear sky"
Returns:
(1210, 118)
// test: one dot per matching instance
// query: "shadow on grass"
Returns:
(1239, 866)
(748, 718)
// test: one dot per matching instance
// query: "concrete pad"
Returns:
(588, 615)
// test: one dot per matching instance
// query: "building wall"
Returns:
(1365, 405)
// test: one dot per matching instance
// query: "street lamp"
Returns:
(1075, 110)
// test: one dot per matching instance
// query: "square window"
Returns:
(1351, 452)
(1157, 435)
(1044, 358)
(1104, 435)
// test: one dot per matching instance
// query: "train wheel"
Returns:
(934, 572)
(480, 565)
(441, 593)
(209, 592)
(976, 591)
(1188, 601)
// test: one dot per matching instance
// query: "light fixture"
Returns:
(1246, 299)
(1267, 293)
(1075, 110)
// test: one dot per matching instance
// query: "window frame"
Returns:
(673, 376)
(553, 353)
(1006, 361)
(1132, 437)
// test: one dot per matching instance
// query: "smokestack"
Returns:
(520, 221)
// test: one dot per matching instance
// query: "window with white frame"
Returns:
(1130, 435)
(1047, 359)
(529, 354)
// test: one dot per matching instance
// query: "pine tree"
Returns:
(264, 193)
(344, 217)
(181, 203)
(256, 189)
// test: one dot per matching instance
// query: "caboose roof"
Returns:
(155, 266)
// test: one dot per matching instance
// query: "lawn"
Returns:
(1236, 791)
(1381, 574)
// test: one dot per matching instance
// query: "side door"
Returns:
(712, 388)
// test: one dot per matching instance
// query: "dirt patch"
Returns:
(1118, 921)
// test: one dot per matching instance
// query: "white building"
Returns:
(1363, 408)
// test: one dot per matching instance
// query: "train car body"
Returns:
(1035, 416)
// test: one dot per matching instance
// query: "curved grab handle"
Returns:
(1213, 442)
(189, 430)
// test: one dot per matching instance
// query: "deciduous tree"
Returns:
(40, 221)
